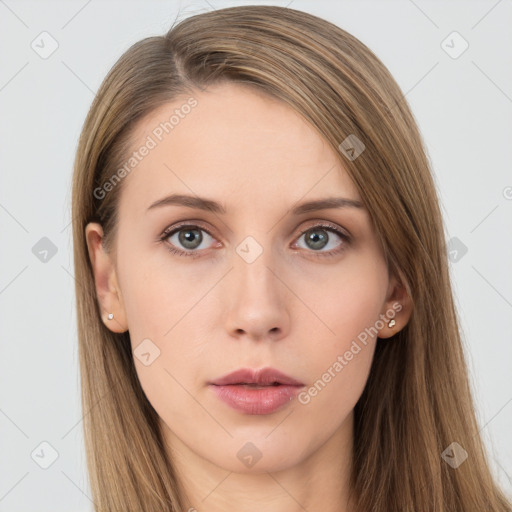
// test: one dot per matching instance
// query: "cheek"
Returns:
(349, 304)
(170, 317)
(156, 295)
(167, 339)
(346, 298)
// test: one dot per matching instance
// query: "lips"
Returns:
(256, 391)
(262, 377)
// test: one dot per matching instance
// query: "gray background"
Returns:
(463, 106)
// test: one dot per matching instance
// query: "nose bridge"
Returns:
(251, 267)
(256, 295)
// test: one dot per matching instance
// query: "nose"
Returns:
(257, 300)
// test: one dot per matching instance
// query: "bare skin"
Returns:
(293, 308)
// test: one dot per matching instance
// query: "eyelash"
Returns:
(195, 254)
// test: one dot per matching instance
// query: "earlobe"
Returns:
(105, 279)
(397, 308)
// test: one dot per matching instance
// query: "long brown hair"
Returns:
(417, 400)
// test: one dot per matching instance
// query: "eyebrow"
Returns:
(209, 205)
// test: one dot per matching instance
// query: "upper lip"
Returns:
(262, 377)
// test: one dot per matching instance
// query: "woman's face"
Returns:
(239, 286)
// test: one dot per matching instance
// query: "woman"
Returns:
(265, 313)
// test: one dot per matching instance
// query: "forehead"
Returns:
(235, 143)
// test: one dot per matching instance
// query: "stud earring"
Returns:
(110, 316)
(391, 323)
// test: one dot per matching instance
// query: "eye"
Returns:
(189, 237)
(323, 236)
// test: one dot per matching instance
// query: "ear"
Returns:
(398, 307)
(105, 278)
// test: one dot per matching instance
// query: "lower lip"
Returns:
(256, 400)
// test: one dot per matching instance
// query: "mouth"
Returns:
(256, 392)
(251, 377)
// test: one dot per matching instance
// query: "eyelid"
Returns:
(188, 223)
(326, 224)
